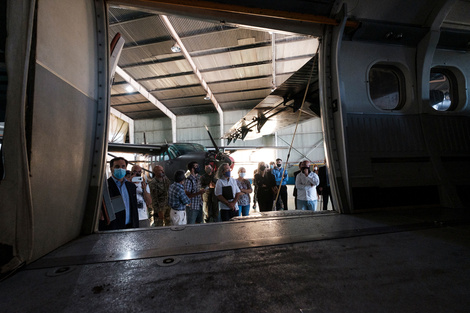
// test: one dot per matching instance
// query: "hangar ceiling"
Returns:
(239, 65)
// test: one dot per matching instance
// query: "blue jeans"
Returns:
(244, 209)
(194, 216)
(307, 205)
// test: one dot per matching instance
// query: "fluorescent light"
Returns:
(129, 88)
(176, 48)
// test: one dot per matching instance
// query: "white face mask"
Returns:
(242, 175)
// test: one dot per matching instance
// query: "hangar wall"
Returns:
(190, 128)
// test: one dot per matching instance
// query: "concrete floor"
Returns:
(389, 261)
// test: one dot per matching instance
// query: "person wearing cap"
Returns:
(177, 199)
(306, 183)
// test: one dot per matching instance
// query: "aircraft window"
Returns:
(165, 156)
(385, 87)
(441, 91)
(188, 148)
(172, 153)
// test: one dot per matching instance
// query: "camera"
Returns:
(137, 179)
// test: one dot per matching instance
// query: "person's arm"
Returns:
(184, 198)
(277, 175)
(248, 190)
(153, 193)
(218, 194)
(189, 183)
(313, 179)
(224, 201)
(238, 194)
(301, 181)
(286, 177)
(146, 194)
(234, 202)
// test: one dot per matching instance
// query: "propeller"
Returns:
(212, 139)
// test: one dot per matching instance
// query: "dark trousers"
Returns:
(325, 193)
(226, 215)
(282, 198)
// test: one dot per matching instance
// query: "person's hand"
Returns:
(231, 205)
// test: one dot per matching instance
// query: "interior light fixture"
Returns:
(176, 48)
(207, 97)
(129, 88)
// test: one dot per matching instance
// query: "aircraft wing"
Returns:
(280, 108)
(133, 148)
(238, 148)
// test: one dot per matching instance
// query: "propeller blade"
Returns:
(212, 139)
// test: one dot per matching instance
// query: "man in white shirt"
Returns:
(227, 191)
(144, 200)
(306, 183)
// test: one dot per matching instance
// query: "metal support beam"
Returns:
(188, 57)
(144, 92)
(273, 57)
(196, 71)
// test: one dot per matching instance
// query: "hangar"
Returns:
(176, 75)
(399, 161)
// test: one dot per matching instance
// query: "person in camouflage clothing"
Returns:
(159, 186)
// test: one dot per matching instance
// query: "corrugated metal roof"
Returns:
(236, 63)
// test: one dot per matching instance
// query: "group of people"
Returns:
(191, 198)
(270, 184)
(196, 197)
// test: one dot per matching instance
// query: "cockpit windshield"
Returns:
(185, 148)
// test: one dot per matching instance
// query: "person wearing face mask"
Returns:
(143, 195)
(272, 165)
(159, 186)
(210, 203)
(192, 187)
(228, 193)
(266, 184)
(178, 200)
(123, 198)
(281, 177)
(245, 188)
(306, 183)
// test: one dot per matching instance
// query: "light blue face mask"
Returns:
(119, 173)
(242, 175)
